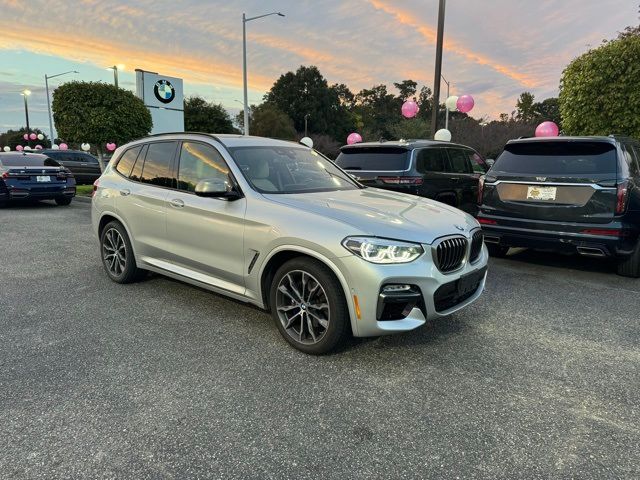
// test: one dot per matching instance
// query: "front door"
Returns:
(205, 235)
(464, 178)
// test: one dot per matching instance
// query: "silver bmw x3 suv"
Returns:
(278, 225)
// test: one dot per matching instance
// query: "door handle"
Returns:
(177, 203)
(84, 164)
(125, 192)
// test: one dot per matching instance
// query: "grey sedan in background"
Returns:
(278, 225)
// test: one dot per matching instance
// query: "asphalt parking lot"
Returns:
(539, 378)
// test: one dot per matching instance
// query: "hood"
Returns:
(383, 213)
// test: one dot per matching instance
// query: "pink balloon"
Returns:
(33, 136)
(25, 136)
(410, 109)
(19, 148)
(354, 138)
(547, 129)
(63, 146)
(38, 147)
(465, 103)
(111, 147)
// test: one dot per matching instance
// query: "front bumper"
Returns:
(438, 291)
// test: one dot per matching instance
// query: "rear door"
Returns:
(382, 167)
(433, 164)
(558, 180)
(90, 167)
(142, 200)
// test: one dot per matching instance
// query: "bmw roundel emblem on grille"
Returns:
(164, 91)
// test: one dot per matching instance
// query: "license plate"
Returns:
(536, 192)
(469, 282)
(43, 178)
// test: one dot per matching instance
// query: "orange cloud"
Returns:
(95, 50)
(406, 18)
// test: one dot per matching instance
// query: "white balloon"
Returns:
(40, 136)
(27, 148)
(307, 142)
(85, 146)
(55, 147)
(443, 135)
(451, 103)
(7, 149)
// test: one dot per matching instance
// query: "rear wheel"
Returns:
(63, 200)
(630, 266)
(117, 254)
(308, 306)
(498, 251)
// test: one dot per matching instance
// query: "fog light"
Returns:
(396, 288)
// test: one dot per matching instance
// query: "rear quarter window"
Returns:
(127, 160)
(558, 158)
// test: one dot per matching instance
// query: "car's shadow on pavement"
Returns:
(563, 261)
(29, 205)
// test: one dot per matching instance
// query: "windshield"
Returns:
(374, 158)
(290, 170)
(557, 158)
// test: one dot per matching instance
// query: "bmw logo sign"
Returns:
(164, 91)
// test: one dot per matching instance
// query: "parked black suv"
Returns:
(573, 194)
(84, 166)
(442, 171)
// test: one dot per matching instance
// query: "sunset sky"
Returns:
(494, 49)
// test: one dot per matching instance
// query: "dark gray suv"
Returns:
(443, 171)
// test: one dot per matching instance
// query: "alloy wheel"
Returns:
(303, 307)
(114, 252)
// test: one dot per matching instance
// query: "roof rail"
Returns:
(215, 137)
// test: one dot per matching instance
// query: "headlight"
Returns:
(380, 250)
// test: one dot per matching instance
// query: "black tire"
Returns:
(127, 270)
(498, 251)
(338, 319)
(63, 200)
(630, 266)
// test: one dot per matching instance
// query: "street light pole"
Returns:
(438, 69)
(306, 117)
(446, 119)
(244, 64)
(25, 93)
(46, 84)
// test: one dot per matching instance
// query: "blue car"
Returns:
(31, 176)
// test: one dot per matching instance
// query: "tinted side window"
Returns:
(430, 160)
(459, 161)
(634, 152)
(136, 171)
(199, 162)
(127, 160)
(477, 163)
(85, 158)
(157, 168)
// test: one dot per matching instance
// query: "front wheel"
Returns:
(63, 200)
(308, 306)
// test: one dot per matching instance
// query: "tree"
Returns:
(13, 138)
(524, 107)
(98, 113)
(306, 92)
(203, 116)
(269, 121)
(548, 109)
(407, 89)
(600, 90)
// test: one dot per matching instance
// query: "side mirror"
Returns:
(217, 188)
